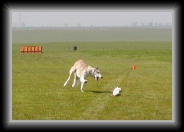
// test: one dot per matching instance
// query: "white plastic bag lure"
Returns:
(116, 91)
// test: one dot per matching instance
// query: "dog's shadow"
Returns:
(98, 92)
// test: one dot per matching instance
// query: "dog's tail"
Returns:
(72, 70)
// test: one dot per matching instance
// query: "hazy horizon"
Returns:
(74, 19)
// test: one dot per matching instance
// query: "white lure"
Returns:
(116, 91)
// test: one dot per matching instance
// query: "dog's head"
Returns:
(96, 73)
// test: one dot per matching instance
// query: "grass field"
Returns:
(37, 79)
(78, 35)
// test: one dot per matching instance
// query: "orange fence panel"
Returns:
(25, 49)
(36, 49)
(40, 49)
(22, 49)
(33, 49)
(30, 49)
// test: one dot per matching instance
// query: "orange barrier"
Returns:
(30, 49)
(33, 49)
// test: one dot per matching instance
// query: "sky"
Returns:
(73, 19)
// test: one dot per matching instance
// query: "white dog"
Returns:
(81, 70)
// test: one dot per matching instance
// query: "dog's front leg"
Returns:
(82, 86)
(83, 80)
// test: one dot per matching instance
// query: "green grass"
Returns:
(37, 81)
(77, 35)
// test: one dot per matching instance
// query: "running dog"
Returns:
(81, 70)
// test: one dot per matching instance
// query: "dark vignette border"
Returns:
(9, 124)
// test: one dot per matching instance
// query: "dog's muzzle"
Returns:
(96, 78)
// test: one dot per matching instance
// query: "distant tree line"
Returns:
(133, 24)
(150, 24)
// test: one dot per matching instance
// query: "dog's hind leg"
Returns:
(75, 81)
(72, 70)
